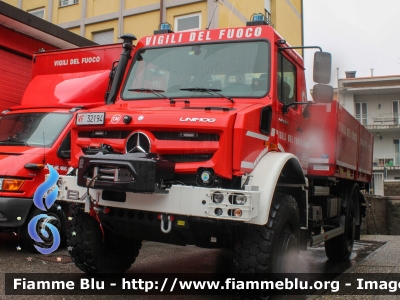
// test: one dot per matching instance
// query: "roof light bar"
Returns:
(164, 28)
(257, 19)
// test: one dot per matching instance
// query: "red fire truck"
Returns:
(207, 139)
(21, 35)
(37, 132)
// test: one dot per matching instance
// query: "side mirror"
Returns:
(66, 154)
(322, 67)
(64, 151)
(322, 93)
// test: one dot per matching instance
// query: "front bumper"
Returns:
(179, 200)
(14, 211)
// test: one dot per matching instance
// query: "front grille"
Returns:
(143, 144)
(184, 136)
(187, 157)
(103, 148)
(104, 134)
(90, 151)
(160, 135)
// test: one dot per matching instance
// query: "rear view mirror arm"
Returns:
(285, 107)
(300, 47)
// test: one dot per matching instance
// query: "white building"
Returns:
(375, 102)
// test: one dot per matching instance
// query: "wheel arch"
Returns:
(281, 172)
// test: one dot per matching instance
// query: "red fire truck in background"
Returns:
(207, 139)
(21, 35)
(38, 131)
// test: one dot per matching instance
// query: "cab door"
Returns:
(290, 119)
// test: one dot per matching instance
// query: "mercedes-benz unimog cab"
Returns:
(210, 141)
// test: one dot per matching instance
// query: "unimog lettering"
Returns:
(211, 120)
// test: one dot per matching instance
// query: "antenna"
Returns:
(212, 17)
(44, 149)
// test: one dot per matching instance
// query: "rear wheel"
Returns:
(94, 253)
(272, 248)
(340, 247)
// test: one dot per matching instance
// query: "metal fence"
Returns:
(379, 119)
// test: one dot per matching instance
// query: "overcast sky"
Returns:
(360, 35)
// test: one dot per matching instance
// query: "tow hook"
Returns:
(94, 210)
(166, 218)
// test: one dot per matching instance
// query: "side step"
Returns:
(326, 235)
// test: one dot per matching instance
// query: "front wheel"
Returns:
(274, 247)
(93, 252)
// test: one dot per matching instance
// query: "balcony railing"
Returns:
(363, 119)
(386, 120)
(67, 2)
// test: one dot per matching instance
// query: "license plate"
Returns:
(90, 118)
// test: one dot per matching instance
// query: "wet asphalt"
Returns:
(162, 258)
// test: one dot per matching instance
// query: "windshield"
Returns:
(233, 69)
(32, 129)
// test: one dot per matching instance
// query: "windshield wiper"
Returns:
(153, 91)
(14, 140)
(210, 91)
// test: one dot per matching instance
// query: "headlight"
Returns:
(217, 197)
(238, 199)
(218, 211)
(11, 185)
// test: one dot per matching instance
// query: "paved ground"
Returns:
(375, 254)
(381, 265)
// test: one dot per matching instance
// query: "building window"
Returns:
(67, 2)
(361, 109)
(268, 18)
(396, 152)
(396, 108)
(383, 162)
(37, 12)
(104, 37)
(188, 22)
(267, 8)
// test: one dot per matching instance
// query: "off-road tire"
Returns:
(92, 254)
(274, 247)
(60, 223)
(340, 248)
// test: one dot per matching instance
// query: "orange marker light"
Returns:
(12, 185)
(237, 213)
(274, 147)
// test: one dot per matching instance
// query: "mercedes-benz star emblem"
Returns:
(138, 142)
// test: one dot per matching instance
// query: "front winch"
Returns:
(131, 172)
